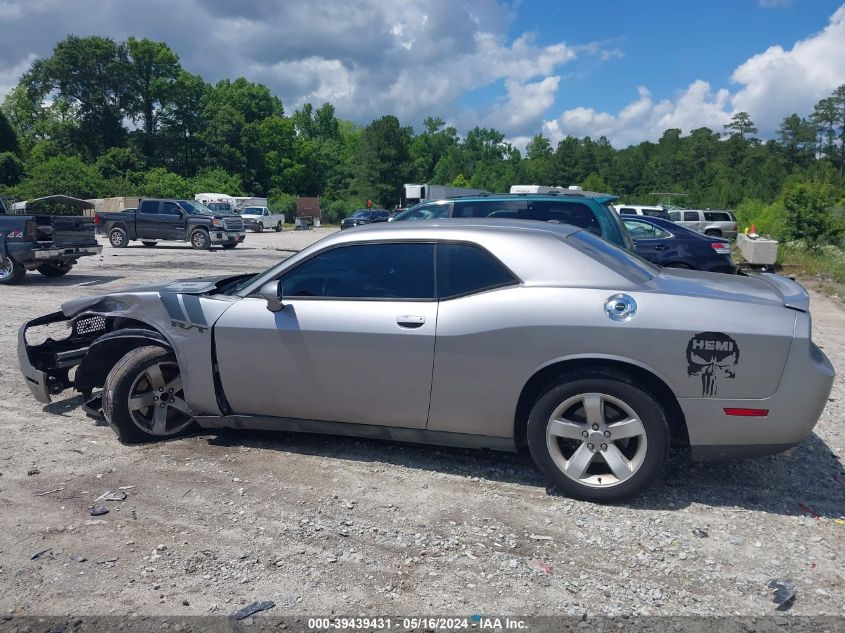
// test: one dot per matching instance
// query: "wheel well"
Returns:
(713, 232)
(105, 351)
(539, 382)
(117, 225)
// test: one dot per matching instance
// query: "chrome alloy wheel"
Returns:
(157, 402)
(596, 440)
(6, 267)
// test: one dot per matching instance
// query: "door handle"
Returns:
(659, 247)
(410, 321)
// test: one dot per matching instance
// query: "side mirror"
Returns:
(272, 294)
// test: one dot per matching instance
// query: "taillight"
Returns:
(723, 248)
(746, 413)
(29, 230)
(96, 220)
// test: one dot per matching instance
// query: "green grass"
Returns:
(824, 264)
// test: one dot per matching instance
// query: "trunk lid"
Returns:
(759, 288)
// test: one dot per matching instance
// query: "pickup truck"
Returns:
(260, 218)
(158, 220)
(50, 244)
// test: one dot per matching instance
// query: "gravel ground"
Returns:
(322, 524)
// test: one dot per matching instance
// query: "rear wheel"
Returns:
(11, 272)
(149, 244)
(278, 227)
(143, 398)
(118, 237)
(598, 436)
(55, 269)
(713, 232)
(200, 240)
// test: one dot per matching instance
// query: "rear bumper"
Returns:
(71, 252)
(793, 411)
(35, 379)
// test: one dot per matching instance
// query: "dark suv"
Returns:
(585, 209)
(365, 216)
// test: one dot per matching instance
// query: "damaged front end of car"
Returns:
(57, 352)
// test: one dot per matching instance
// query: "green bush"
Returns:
(279, 202)
(768, 219)
(808, 216)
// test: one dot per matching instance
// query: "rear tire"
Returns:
(143, 398)
(200, 240)
(626, 441)
(55, 269)
(11, 272)
(149, 244)
(279, 227)
(713, 233)
(118, 237)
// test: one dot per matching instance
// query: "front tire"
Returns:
(200, 240)
(259, 228)
(118, 237)
(11, 272)
(597, 436)
(55, 269)
(143, 398)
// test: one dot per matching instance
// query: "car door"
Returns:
(147, 220)
(354, 342)
(692, 220)
(652, 242)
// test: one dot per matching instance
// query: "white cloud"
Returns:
(774, 84)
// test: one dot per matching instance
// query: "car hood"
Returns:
(757, 288)
(197, 286)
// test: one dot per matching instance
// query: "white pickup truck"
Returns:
(260, 218)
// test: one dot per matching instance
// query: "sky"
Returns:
(625, 70)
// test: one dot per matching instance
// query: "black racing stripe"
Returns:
(171, 303)
(194, 309)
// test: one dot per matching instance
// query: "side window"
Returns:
(170, 208)
(627, 211)
(148, 206)
(691, 216)
(365, 271)
(638, 230)
(512, 209)
(574, 213)
(716, 216)
(675, 216)
(463, 269)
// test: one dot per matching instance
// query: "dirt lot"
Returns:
(324, 525)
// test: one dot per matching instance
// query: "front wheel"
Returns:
(55, 269)
(597, 436)
(143, 398)
(200, 240)
(11, 272)
(259, 228)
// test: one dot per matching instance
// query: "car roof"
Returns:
(431, 229)
(553, 195)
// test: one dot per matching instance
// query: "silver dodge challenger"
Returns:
(498, 334)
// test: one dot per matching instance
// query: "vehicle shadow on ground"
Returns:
(183, 247)
(69, 280)
(808, 480)
(62, 407)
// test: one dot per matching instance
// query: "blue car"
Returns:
(674, 246)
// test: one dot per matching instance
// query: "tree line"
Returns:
(102, 118)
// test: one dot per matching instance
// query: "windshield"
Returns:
(360, 213)
(428, 211)
(219, 206)
(195, 207)
(252, 211)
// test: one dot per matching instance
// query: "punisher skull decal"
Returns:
(713, 356)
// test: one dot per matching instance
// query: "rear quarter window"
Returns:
(148, 206)
(717, 216)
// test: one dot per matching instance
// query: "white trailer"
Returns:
(415, 194)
